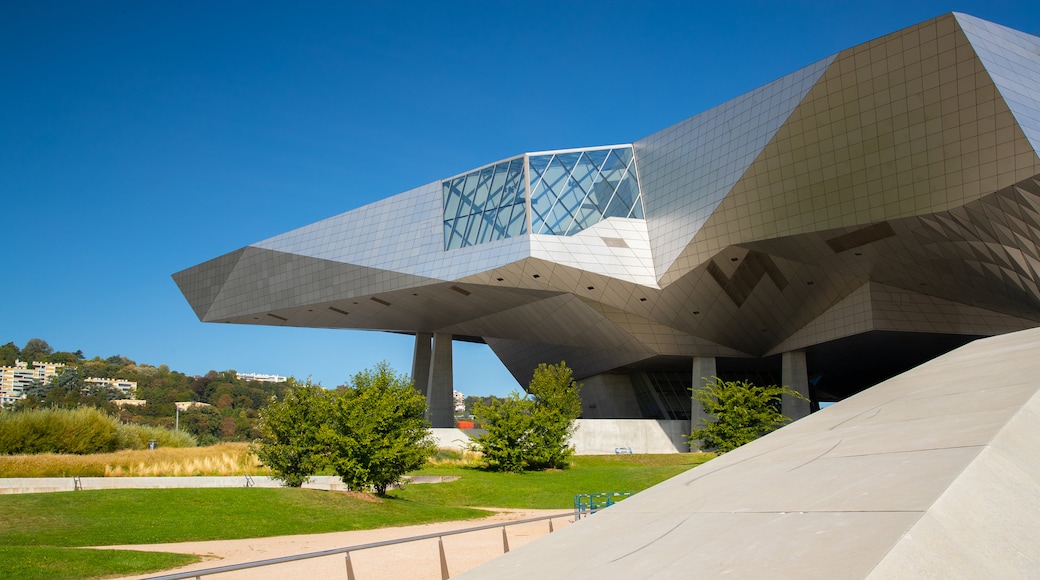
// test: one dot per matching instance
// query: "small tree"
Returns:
(510, 425)
(739, 412)
(532, 432)
(378, 430)
(370, 433)
(292, 433)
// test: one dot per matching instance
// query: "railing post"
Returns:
(505, 541)
(350, 568)
(444, 560)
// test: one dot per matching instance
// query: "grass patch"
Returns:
(148, 516)
(51, 563)
(222, 459)
(39, 533)
(553, 488)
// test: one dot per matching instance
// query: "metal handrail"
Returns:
(271, 561)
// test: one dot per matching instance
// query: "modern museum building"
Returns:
(826, 231)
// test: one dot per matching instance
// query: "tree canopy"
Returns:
(370, 432)
(738, 412)
(533, 431)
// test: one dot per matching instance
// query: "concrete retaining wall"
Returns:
(46, 484)
(604, 436)
(49, 484)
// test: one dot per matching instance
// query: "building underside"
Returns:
(826, 231)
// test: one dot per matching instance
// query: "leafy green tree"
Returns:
(293, 432)
(738, 413)
(370, 433)
(379, 430)
(201, 421)
(36, 349)
(509, 423)
(8, 354)
(532, 432)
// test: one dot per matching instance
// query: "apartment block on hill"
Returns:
(14, 380)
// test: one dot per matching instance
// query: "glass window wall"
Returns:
(569, 192)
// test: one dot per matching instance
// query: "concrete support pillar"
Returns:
(421, 361)
(440, 401)
(795, 374)
(703, 372)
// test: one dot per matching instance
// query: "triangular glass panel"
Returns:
(628, 191)
(585, 174)
(637, 209)
(597, 157)
(567, 160)
(553, 179)
(586, 216)
(538, 164)
(604, 191)
(617, 208)
(624, 154)
(557, 222)
(614, 164)
(572, 195)
(540, 206)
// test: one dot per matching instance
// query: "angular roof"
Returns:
(892, 186)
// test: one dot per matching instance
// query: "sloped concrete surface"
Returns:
(934, 473)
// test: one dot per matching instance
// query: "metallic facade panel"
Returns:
(892, 189)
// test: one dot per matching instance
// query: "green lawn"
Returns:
(39, 530)
(39, 533)
(51, 563)
(551, 489)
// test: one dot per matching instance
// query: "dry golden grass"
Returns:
(221, 459)
(452, 458)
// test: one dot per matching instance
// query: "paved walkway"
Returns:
(418, 560)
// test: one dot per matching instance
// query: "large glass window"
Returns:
(485, 205)
(574, 190)
(569, 191)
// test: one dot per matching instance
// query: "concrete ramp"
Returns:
(934, 473)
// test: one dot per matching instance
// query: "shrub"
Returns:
(379, 430)
(532, 432)
(78, 431)
(289, 442)
(738, 413)
(138, 436)
(370, 433)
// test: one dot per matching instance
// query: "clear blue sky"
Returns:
(141, 138)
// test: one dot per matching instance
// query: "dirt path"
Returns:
(417, 560)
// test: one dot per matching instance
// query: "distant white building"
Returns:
(460, 401)
(262, 377)
(128, 388)
(185, 405)
(16, 379)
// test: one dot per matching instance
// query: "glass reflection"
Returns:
(569, 192)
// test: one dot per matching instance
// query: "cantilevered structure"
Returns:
(827, 230)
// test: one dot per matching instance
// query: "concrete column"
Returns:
(440, 402)
(421, 361)
(795, 374)
(703, 371)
